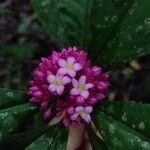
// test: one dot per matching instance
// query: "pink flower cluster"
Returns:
(67, 81)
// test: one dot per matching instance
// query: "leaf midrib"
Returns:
(87, 24)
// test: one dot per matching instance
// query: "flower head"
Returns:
(67, 81)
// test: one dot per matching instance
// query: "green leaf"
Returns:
(134, 115)
(21, 140)
(11, 98)
(131, 39)
(62, 140)
(106, 17)
(118, 136)
(55, 139)
(111, 31)
(70, 22)
(12, 118)
(38, 120)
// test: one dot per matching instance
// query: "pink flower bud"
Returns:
(92, 100)
(47, 113)
(34, 100)
(96, 70)
(66, 122)
(100, 96)
(34, 88)
(70, 110)
(80, 100)
(102, 85)
(38, 94)
(39, 74)
(44, 105)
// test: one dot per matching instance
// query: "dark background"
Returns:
(23, 42)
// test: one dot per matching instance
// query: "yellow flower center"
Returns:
(82, 114)
(81, 87)
(69, 67)
(57, 82)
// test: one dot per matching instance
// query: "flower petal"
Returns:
(74, 83)
(61, 62)
(88, 109)
(72, 73)
(52, 88)
(66, 80)
(77, 67)
(51, 78)
(79, 109)
(71, 60)
(60, 89)
(74, 116)
(88, 86)
(61, 71)
(74, 91)
(87, 118)
(82, 79)
(85, 94)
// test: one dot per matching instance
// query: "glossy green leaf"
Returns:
(64, 20)
(21, 140)
(12, 118)
(131, 39)
(112, 31)
(62, 140)
(106, 17)
(38, 120)
(55, 139)
(11, 98)
(118, 136)
(134, 115)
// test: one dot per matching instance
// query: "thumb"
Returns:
(75, 137)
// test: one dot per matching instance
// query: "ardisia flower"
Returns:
(82, 112)
(57, 83)
(81, 88)
(69, 67)
(66, 80)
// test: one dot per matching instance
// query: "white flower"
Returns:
(80, 87)
(83, 112)
(57, 83)
(68, 66)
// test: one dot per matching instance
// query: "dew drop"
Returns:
(106, 18)
(44, 3)
(111, 128)
(141, 126)
(129, 38)
(138, 28)
(114, 18)
(110, 110)
(147, 20)
(133, 126)
(3, 115)
(10, 94)
(131, 12)
(124, 117)
(145, 145)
